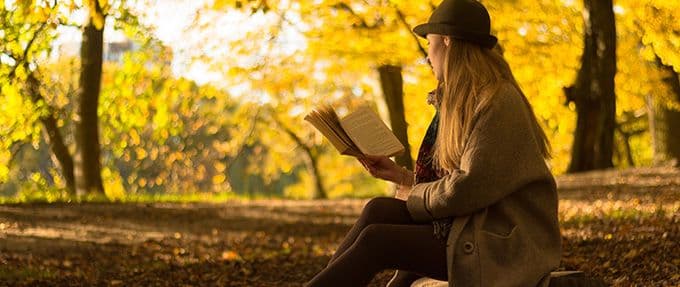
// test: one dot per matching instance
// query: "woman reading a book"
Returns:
(480, 207)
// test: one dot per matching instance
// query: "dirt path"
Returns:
(620, 226)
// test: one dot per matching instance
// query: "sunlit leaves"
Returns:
(113, 184)
(96, 12)
(16, 115)
(5, 156)
(160, 128)
(659, 29)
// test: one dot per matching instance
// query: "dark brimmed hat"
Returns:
(466, 20)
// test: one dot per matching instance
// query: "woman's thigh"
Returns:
(386, 210)
(409, 247)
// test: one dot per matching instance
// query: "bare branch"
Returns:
(290, 132)
(362, 22)
(241, 147)
(402, 19)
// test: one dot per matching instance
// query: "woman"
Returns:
(481, 207)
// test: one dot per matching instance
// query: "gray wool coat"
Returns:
(503, 200)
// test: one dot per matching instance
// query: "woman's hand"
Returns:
(384, 168)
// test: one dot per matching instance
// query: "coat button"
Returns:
(468, 247)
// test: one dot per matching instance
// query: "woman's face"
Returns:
(436, 50)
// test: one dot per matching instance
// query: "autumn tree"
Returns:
(32, 28)
(660, 42)
(665, 118)
(29, 30)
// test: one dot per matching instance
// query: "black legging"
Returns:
(385, 237)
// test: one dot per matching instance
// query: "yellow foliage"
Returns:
(218, 179)
(141, 153)
(161, 118)
(113, 184)
(36, 177)
(200, 172)
(97, 17)
(219, 166)
(4, 169)
(300, 189)
(134, 137)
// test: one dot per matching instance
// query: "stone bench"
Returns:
(557, 279)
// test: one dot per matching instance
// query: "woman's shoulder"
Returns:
(508, 93)
(506, 107)
(508, 99)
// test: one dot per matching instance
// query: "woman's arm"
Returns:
(501, 155)
(384, 168)
(405, 184)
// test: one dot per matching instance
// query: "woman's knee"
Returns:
(384, 210)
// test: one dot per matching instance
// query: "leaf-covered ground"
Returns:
(622, 227)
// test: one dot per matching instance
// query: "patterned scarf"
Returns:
(425, 170)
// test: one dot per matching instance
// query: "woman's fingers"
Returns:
(378, 166)
(379, 173)
(374, 158)
(365, 160)
(368, 166)
(374, 171)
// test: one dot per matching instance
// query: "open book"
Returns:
(361, 132)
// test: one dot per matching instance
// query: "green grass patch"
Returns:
(10, 274)
(61, 196)
(33, 194)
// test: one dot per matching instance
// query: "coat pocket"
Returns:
(501, 248)
(497, 224)
(501, 234)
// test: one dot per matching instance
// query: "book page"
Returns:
(370, 133)
(326, 121)
(330, 118)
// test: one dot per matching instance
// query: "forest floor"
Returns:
(620, 226)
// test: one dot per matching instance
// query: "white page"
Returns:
(370, 133)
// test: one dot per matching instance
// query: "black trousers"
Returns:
(385, 237)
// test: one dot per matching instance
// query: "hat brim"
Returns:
(482, 39)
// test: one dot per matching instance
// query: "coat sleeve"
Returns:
(502, 154)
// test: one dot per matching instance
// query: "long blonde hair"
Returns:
(472, 76)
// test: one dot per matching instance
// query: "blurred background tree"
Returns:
(218, 109)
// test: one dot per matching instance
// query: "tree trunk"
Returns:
(393, 92)
(312, 166)
(58, 150)
(87, 156)
(593, 91)
(665, 122)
